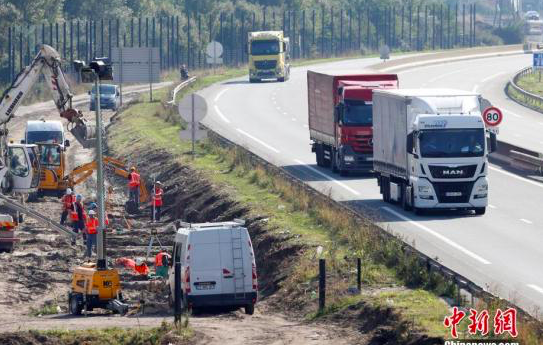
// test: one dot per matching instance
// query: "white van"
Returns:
(45, 132)
(217, 265)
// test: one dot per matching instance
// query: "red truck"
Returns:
(340, 118)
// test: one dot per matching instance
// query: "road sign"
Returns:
(538, 60)
(214, 53)
(384, 51)
(135, 65)
(190, 102)
(492, 116)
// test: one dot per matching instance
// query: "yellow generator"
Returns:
(95, 288)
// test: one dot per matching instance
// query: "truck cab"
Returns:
(268, 56)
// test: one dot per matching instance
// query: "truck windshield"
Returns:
(452, 143)
(33, 137)
(357, 113)
(270, 47)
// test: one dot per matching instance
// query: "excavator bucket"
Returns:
(82, 130)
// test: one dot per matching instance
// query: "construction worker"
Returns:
(162, 260)
(94, 207)
(141, 267)
(67, 205)
(157, 201)
(78, 215)
(134, 186)
(92, 228)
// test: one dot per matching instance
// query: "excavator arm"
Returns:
(48, 63)
(84, 171)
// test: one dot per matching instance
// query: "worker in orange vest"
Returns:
(162, 260)
(157, 202)
(141, 267)
(67, 205)
(134, 186)
(92, 229)
(94, 207)
(78, 215)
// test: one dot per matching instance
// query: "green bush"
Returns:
(511, 34)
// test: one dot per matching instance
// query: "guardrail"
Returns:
(179, 87)
(530, 99)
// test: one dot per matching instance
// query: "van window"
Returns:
(33, 137)
(178, 252)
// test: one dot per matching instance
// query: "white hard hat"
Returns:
(92, 213)
(68, 191)
(139, 261)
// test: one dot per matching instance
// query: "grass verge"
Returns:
(530, 87)
(393, 278)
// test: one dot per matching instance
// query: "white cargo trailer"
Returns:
(430, 149)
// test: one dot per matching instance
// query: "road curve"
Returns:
(500, 251)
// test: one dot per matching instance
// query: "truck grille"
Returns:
(265, 64)
(463, 171)
(448, 192)
(363, 143)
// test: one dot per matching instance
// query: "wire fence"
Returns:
(319, 32)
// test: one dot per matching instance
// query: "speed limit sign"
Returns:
(492, 116)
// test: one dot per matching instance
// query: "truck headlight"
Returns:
(348, 158)
(481, 191)
(424, 189)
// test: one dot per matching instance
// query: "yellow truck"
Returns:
(268, 56)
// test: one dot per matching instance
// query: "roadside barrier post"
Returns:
(177, 288)
(322, 283)
(359, 273)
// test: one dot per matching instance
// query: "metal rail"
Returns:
(179, 87)
(14, 205)
(530, 99)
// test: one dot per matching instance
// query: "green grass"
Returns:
(531, 84)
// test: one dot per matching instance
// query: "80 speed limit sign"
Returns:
(492, 116)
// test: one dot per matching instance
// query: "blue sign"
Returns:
(538, 60)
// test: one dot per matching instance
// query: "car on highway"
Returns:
(110, 97)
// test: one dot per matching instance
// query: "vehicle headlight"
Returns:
(348, 158)
(424, 189)
(483, 188)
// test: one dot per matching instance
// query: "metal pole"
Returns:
(100, 244)
(121, 74)
(193, 129)
(322, 284)
(177, 289)
(150, 75)
(359, 273)
(463, 25)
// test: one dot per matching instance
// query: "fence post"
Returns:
(57, 43)
(322, 284)
(474, 24)
(433, 27)
(448, 26)
(368, 28)
(332, 32)
(322, 32)
(418, 28)
(463, 25)
(199, 40)
(72, 41)
(350, 14)
(178, 292)
(455, 25)
(403, 16)
(160, 46)
(64, 45)
(21, 62)
(51, 34)
(441, 26)
(264, 18)
(359, 274)
(410, 26)
(10, 68)
(139, 32)
(243, 43)
(393, 23)
(341, 48)
(303, 36)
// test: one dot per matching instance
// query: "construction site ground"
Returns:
(36, 277)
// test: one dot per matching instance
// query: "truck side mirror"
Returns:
(67, 143)
(493, 142)
(337, 110)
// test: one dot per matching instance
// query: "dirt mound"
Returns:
(27, 338)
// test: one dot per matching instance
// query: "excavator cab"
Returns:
(24, 167)
(53, 166)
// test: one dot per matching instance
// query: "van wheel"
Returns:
(249, 309)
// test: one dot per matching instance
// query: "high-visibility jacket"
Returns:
(134, 180)
(67, 201)
(92, 225)
(159, 259)
(78, 210)
(158, 196)
(142, 269)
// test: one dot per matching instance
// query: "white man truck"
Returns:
(430, 149)
(268, 56)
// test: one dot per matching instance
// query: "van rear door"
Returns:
(205, 270)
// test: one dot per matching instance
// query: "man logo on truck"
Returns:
(453, 172)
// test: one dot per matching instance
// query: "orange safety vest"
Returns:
(159, 257)
(68, 200)
(158, 197)
(92, 224)
(134, 180)
(142, 269)
(74, 215)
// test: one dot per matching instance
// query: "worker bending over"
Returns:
(92, 227)
(134, 186)
(162, 261)
(67, 205)
(157, 202)
(78, 215)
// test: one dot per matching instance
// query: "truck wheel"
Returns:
(405, 204)
(386, 189)
(480, 211)
(344, 173)
(75, 306)
(319, 155)
(254, 80)
(249, 309)
(334, 160)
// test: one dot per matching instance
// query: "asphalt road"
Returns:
(500, 251)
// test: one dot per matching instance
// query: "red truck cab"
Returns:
(340, 118)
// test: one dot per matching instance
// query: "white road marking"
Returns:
(492, 206)
(438, 235)
(445, 75)
(517, 177)
(339, 183)
(269, 147)
(218, 111)
(220, 94)
(492, 77)
(525, 221)
(536, 288)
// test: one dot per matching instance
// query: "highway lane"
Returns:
(499, 251)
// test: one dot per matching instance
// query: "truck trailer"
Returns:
(340, 118)
(430, 149)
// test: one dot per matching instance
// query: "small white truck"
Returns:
(217, 266)
(430, 149)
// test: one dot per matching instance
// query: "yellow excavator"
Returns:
(54, 180)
